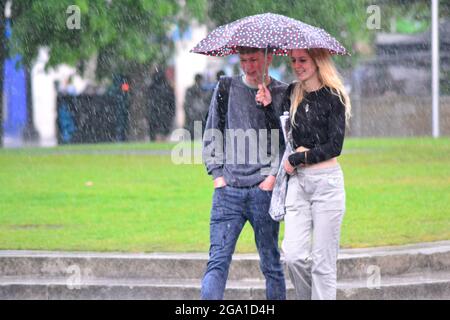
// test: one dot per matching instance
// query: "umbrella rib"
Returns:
(265, 66)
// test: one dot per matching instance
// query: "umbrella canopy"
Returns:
(274, 32)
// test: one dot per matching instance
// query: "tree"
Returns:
(401, 15)
(2, 59)
(125, 35)
(344, 19)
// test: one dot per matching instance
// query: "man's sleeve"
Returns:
(213, 155)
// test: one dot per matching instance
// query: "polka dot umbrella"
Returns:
(273, 32)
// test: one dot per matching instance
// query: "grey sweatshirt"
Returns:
(248, 151)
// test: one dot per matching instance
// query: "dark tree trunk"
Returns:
(2, 62)
(30, 133)
(138, 125)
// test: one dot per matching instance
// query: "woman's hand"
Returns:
(288, 167)
(263, 95)
(301, 149)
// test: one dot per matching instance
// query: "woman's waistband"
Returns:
(312, 171)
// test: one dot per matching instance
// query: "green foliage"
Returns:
(411, 25)
(121, 32)
(130, 31)
(404, 16)
(136, 32)
(408, 16)
(346, 20)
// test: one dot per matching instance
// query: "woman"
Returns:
(315, 200)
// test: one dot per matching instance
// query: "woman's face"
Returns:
(303, 65)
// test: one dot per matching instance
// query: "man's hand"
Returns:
(268, 183)
(263, 95)
(219, 182)
(288, 167)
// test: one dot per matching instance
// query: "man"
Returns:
(160, 106)
(195, 104)
(242, 187)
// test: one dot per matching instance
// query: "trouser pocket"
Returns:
(329, 192)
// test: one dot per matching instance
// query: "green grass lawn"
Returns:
(130, 198)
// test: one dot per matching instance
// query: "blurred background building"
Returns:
(391, 92)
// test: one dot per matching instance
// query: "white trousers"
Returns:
(315, 206)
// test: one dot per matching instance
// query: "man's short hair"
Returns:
(249, 50)
(198, 77)
(220, 74)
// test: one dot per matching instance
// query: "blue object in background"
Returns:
(177, 35)
(14, 91)
(66, 124)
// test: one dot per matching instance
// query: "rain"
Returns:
(105, 149)
(89, 46)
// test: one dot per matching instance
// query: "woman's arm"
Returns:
(333, 147)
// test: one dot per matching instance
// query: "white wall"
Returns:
(187, 64)
(44, 96)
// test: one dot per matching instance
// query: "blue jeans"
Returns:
(231, 208)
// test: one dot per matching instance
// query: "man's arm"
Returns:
(213, 138)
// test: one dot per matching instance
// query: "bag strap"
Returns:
(222, 99)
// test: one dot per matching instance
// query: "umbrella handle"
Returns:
(265, 65)
(259, 104)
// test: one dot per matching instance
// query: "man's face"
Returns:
(253, 66)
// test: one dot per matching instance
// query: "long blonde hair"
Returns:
(328, 76)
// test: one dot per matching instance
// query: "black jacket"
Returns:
(319, 126)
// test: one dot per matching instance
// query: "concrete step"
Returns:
(352, 263)
(408, 286)
(419, 271)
